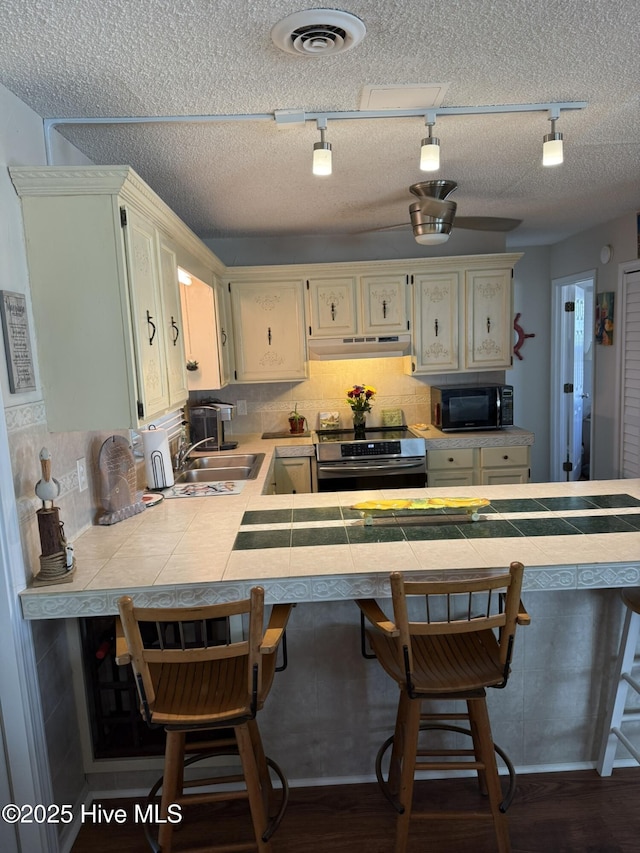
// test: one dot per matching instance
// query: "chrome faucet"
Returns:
(184, 451)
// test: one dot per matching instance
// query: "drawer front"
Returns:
(450, 459)
(497, 457)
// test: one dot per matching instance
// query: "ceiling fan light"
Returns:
(552, 154)
(430, 154)
(431, 239)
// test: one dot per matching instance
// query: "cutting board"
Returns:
(118, 493)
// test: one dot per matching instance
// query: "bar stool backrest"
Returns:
(478, 604)
(186, 635)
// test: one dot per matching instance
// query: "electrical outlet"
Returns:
(242, 407)
(81, 467)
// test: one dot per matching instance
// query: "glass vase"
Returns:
(359, 423)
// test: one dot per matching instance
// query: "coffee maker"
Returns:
(207, 422)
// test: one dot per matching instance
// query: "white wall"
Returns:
(575, 255)
(530, 376)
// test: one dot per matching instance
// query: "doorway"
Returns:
(572, 376)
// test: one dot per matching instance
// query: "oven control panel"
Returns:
(370, 448)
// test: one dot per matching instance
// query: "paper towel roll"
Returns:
(157, 458)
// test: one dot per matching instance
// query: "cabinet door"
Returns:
(174, 326)
(332, 306)
(292, 475)
(384, 303)
(146, 308)
(225, 332)
(489, 329)
(268, 329)
(198, 310)
(436, 322)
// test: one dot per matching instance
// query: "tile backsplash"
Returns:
(268, 404)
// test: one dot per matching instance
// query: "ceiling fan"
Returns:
(433, 215)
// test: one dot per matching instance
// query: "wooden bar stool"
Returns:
(442, 645)
(194, 675)
(616, 714)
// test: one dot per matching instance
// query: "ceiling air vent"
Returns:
(318, 32)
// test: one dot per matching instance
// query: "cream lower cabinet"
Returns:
(292, 475)
(103, 252)
(504, 465)
(269, 330)
(475, 466)
(462, 315)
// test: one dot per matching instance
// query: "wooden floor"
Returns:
(576, 812)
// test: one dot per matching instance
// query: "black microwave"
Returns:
(469, 407)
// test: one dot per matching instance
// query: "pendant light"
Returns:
(552, 154)
(430, 148)
(322, 152)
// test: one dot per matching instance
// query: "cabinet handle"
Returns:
(488, 325)
(153, 328)
(333, 311)
(384, 308)
(176, 331)
(435, 326)
(450, 459)
(505, 456)
(269, 335)
(223, 337)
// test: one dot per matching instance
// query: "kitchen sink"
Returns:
(211, 469)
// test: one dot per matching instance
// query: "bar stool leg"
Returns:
(254, 788)
(483, 743)
(172, 783)
(624, 664)
(409, 725)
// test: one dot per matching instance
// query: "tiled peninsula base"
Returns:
(331, 709)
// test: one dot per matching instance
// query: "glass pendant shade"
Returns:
(552, 154)
(430, 154)
(322, 158)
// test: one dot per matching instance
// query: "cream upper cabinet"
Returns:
(462, 314)
(435, 329)
(384, 300)
(489, 332)
(207, 340)
(269, 330)
(370, 304)
(333, 305)
(178, 390)
(103, 252)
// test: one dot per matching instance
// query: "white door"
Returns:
(571, 379)
(629, 373)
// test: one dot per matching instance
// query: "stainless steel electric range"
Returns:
(386, 458)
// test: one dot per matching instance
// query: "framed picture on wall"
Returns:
(604, 318)
(17, 341)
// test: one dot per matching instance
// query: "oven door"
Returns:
(350, 476)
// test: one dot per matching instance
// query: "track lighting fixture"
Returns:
(322, 152)
(430, 148)
(552, 154)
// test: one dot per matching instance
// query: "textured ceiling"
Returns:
(103, 58)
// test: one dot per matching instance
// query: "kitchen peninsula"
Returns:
(314, 547)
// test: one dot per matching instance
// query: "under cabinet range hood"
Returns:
(359, 346)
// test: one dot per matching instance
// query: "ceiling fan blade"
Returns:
(486, 223)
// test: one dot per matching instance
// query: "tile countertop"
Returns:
(435, 439)
(189, 551)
